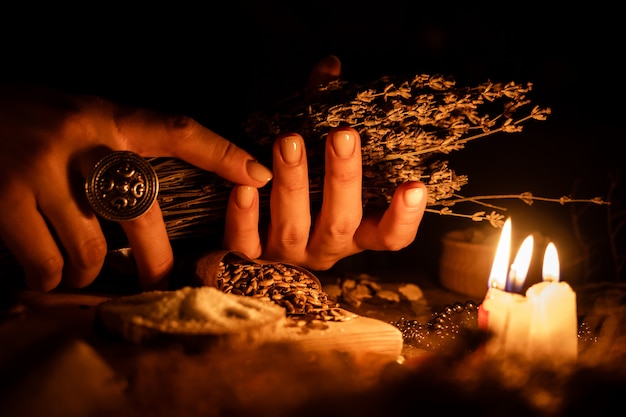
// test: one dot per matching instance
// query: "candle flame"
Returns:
(500, 266)
(519, 268)
(551, 267)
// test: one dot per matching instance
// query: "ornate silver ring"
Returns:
(122, 186)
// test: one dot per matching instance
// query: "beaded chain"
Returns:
(456, 326)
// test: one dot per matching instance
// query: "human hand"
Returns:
(341, 228)
(50, 140)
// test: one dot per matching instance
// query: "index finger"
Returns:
(151, 133)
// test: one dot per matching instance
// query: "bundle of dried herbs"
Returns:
(407, 127)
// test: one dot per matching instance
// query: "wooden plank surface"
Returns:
(357, 335)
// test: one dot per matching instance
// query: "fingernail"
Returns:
(343, 143)
(413, 197)
(291, 150)
(244, 196)
(258, 171)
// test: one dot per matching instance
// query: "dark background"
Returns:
(220, 63)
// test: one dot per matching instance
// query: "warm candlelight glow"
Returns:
(500, 267)
(542, 324)
(551, 267)
(519, 268)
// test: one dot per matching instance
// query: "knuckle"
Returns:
(345, 176)
(228, 151)
(85, 263)
(287, 242)
(343, 228)
(49, 267)
(295, 184)
(90, 254)
(179, 129)
(44, 274)
(287, 245)
(79, 121)
(180, 126)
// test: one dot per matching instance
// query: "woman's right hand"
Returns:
(49, 142)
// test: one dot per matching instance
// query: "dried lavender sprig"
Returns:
(405, 125)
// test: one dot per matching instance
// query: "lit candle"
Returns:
(520, 310)
(490, 316)
(554, 328)
(519, 267)
(551, 267)
(505, 315)
(500, 266)
(542, 324)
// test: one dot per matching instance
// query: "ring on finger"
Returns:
(122, 186)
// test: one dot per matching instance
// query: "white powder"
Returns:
(204, 310)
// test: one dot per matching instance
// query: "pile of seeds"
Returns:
(298, 293)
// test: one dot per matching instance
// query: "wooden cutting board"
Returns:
(358, 335)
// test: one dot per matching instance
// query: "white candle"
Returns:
(492, 313)
(506, 316)
(554, 325)
(515, 338)
(503, 314)
(542, 324)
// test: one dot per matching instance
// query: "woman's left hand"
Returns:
(340, 229)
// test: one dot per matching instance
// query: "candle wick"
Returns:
(511, 282)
